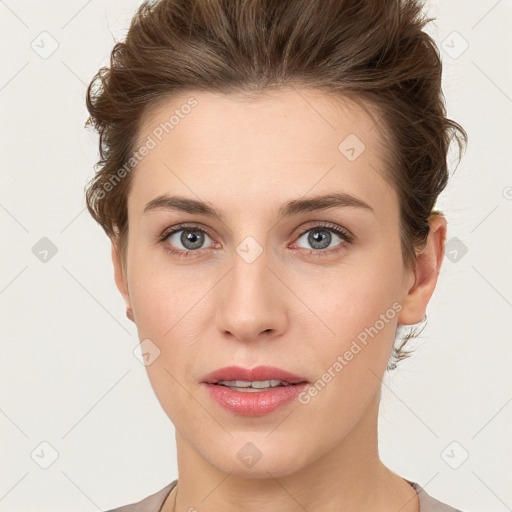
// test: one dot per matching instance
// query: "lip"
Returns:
(253, 374)
(256, 403)
(253, 403)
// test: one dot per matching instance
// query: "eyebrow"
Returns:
(288, 209)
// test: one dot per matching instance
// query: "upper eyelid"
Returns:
(176, 229)
(324, 225)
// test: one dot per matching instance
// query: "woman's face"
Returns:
(271, 282)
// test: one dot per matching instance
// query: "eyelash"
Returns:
(341, 232)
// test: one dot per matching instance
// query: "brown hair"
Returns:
(373, 51)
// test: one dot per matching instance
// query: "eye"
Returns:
(184, 240)
(320, 238)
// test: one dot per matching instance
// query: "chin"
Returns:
(248, 456)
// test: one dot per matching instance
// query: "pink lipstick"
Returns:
(253, 392)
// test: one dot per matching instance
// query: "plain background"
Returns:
(76, 399)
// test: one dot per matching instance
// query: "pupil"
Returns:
(322, 237)
(191, 239)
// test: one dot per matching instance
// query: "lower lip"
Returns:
(254, 403)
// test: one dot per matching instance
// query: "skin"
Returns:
(287, 308)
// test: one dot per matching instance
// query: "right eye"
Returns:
(183, 241)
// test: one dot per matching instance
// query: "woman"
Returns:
(268, 177)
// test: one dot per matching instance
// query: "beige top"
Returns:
(155, 502)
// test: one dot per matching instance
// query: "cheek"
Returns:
(360, 303)
(163, 293)
(361, 309)
(171, 310)
(354, 295)
(360, 306)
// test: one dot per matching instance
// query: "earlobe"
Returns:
(426, 272)
(119, 276)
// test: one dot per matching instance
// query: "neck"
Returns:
(345, 478)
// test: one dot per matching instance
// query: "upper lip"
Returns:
(259, 373)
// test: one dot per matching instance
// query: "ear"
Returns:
(119, 274)
(423, 279)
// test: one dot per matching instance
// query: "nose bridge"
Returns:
(249, 302)
(250, 268)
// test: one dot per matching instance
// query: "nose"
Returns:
(252, 301)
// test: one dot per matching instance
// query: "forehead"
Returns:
(289, 140)
(220, 117)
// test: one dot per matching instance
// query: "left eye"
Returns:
(320, 237)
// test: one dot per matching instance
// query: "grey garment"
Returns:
(427, 502)
(152, 503)
(155, 502)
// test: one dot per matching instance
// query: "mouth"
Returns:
(253, 392)
(253, 386)
(258, 379)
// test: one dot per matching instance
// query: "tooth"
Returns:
(237, 383)
(261, 384)
(241, 383)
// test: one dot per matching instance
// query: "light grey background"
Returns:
(69, 377)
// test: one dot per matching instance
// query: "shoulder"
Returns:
(429, 503)
(152, 503)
